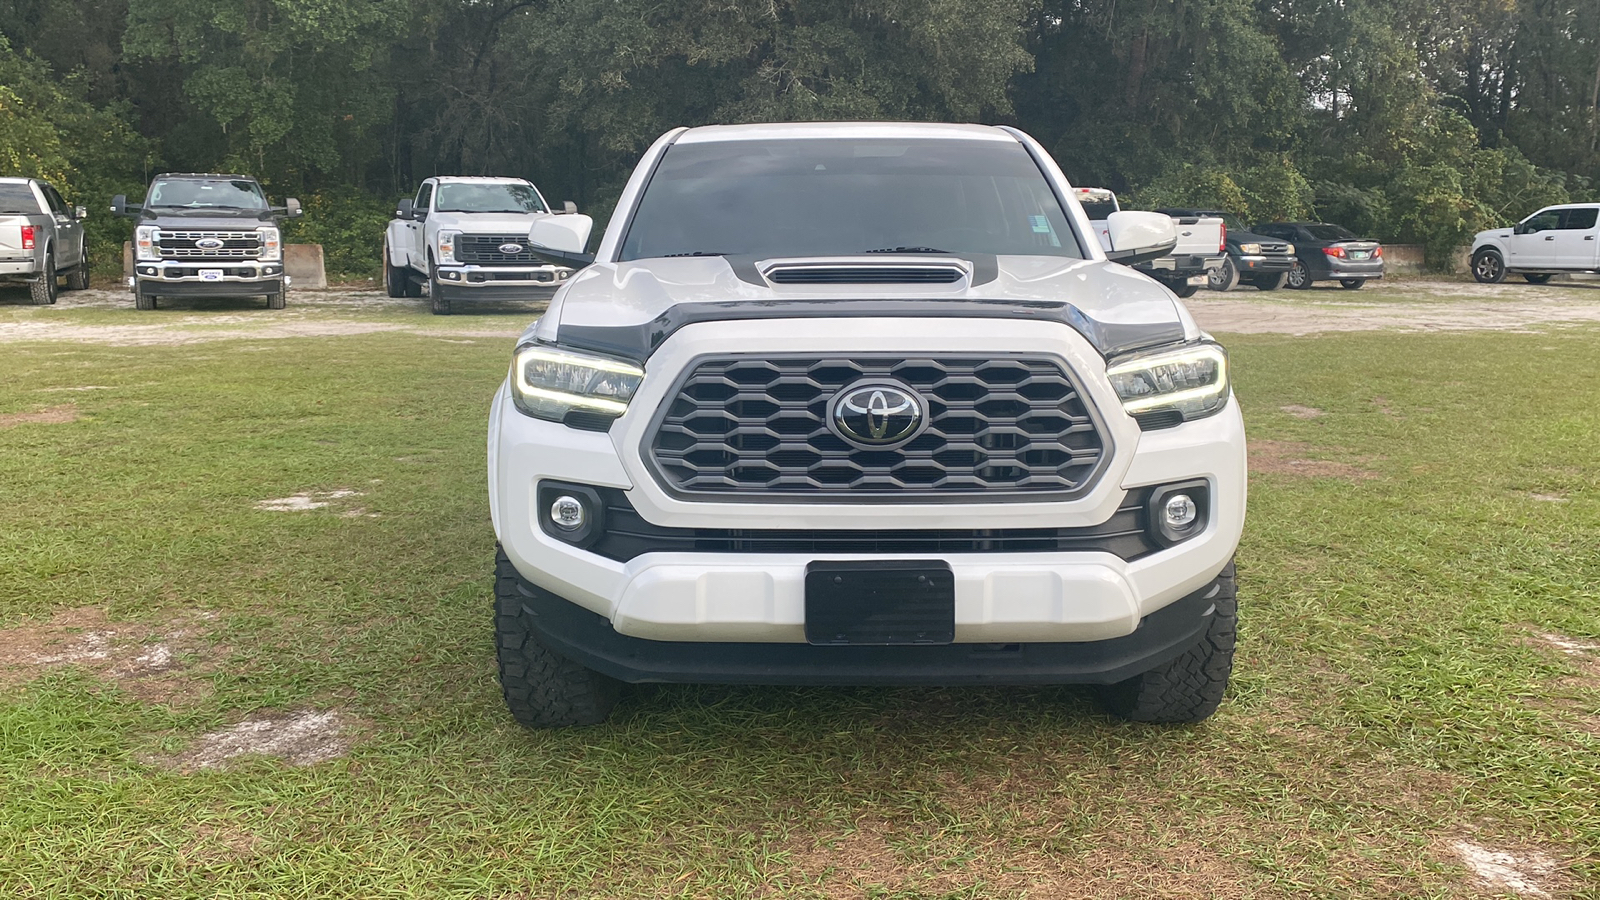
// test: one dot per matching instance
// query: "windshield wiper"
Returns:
(907, 250)
(697, 253)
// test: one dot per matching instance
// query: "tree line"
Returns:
(1406, 120)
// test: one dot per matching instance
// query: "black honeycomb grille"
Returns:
(745, 425)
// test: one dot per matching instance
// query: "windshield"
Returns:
(830, 197)
(18, 198)
(1330, 233)
(197, 193)
(488, 198)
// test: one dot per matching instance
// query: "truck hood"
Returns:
(628, 309)
(485, 223)
(1492, 233)
(207, 220)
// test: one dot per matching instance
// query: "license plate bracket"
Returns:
(1360, 254)
(880, 602)
(210, 274)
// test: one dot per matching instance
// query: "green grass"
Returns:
(1388, 697)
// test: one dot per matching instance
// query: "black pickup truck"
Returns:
(1254, 259)
(207, 236)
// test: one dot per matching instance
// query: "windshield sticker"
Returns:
(1041, 225)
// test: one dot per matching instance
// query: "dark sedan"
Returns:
(1253, 259)
(1327, 253)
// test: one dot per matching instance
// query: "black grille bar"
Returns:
(626, 535)
(484, 250)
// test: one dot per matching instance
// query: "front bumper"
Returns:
(470, 282)
(224, 277)
(1246, 264)
(759, 598)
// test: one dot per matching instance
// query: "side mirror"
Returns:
(1138, 236)
(562, 239)
(569, 208)
(292, 207)
(80, 212)
(119, 205)
(402, 210)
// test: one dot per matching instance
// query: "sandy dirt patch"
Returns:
(1302, 412)
(159, 663)
(1293, 458)
(1527, 874)
(1421, 306)
(303, 738)
(50, 415)
(304, 502)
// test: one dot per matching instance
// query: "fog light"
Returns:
(1179, 511)
(567, 513)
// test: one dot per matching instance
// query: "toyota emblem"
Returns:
(510, 249)
(877, 415)
(209, 244)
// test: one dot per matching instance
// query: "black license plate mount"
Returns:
(880, 603)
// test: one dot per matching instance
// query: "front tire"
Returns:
(1352, 284)
(143, 299)
(1223, 278)
(1189, 688)
(396, 279)
(1185, 291)
(1298, 278)
(542, 689)
(1488, 267)
(278, 300)
(1537, 279)
(43, 292)
(1271, 282)
(438, 303)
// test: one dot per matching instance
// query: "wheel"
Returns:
(396, 279)
(1537, 279)
(1189, 688)
(1488, 266)
(1352, 284)
(143, 299)
(1271, 282)
(1297, 276)
(43, 292)
(278, 300)
(1223, 278)
(1185, 290)
(542, 689)
(439, 303)
(78, 278)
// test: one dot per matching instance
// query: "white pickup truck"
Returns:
(1202, 243)
(467, 239)
(1552, 241)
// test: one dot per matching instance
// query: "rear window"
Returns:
(18, 198)
(1330, 233)
(1581, 219)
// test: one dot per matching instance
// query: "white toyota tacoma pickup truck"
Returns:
(1552, 241)
(863, 404)
(467, 239)
(1200, 252)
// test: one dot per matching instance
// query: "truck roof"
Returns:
(205, 175)
(478, 179)
(15, 179)
(860, 130)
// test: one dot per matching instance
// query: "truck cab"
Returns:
(1554, 240)
(207, 235)
(467, 239)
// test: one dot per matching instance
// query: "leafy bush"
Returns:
(349, 224)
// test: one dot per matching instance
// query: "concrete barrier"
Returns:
(303, 263)
(1411, 259)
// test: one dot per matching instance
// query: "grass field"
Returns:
(1419, 579)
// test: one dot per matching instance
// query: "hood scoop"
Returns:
(877, 271)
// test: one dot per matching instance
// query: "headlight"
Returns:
(1192, 380)
(271, 244)
(1250, 249)
(548, 383)
(145, 238)
(447, 246)
(1290, 250)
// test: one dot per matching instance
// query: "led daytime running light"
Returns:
(1169, 380)
(601, 384)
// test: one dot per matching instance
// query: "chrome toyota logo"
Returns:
(877, 415)
(509, 249)
(208, 244)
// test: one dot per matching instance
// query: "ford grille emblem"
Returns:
(509, 249)
(877, 415)
(209, 244)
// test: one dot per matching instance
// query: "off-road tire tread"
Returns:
(1271, 282)
(542, 689)
(143, 300)
(1232, 280)
(1352, 284)
(278, 300)
(43, 291)
(1189, 688)
(78, 278)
